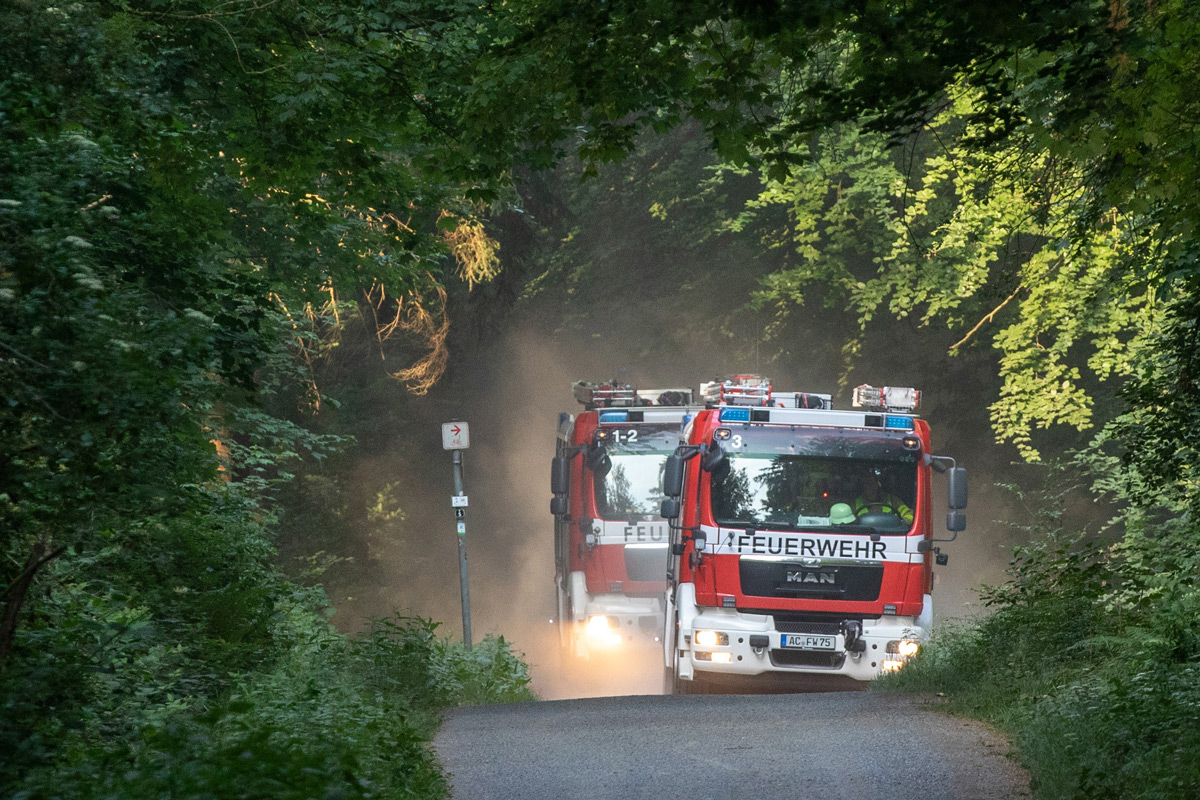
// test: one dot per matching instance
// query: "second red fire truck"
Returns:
(801, 537)
(610, 543)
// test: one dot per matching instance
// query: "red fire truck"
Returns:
(801, 537)
(610, 544)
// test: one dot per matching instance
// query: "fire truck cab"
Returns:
(801, 537)
(610, 543)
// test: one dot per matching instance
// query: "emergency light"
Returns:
(623, 395)
(886, 398)
(753, 390)
(740, 390)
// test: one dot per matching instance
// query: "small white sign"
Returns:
(458, 501)
(455, 436)
(462, 527)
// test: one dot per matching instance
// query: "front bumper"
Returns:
(612, 624)
(739, 655)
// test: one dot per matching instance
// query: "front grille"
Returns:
(796, 626)
(646, 562)
(781, 579)
(802, 658)
(835, 617)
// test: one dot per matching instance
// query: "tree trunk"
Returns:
(14, 595)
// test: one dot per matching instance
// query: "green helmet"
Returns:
(841, 514)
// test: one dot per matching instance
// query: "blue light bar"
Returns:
(735, 414)
(904, 423)
(614, 416)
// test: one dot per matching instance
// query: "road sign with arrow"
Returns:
(455, 436)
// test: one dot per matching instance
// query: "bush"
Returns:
(338, 717)
(1090, 661)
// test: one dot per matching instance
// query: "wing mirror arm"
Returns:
(939, 463)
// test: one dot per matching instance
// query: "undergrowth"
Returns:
(1090, 661)
(336, 717)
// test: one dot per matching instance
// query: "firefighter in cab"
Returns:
(872, 498)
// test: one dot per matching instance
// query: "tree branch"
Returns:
(986, 318)
(14, 594)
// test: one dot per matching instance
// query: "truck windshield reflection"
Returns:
(815, 493)
(632, 486)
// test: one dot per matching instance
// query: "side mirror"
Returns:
(670, 508)
(713, 458)
(673, 478)
(956, 520)
(560, 475)
(957, 490)
(558, 506)
(715, 462)
(597, 460)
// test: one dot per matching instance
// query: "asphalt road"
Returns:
(765, 747)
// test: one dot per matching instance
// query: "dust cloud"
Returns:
(511, 392)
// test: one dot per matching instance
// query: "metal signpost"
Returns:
(456, 437)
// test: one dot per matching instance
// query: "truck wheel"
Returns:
(560, 610)
(567, 634)
(673, 684)
(668, 681)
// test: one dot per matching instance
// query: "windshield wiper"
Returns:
(759, 526)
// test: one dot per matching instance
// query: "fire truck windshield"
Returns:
(816, 479)
(632, 486)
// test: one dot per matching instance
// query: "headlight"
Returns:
(604, 630)
(905, 648)
(711, 638)
(898, 652)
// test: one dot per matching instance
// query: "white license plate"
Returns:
(807, 641)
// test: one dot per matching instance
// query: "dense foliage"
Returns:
(194, 199)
